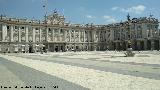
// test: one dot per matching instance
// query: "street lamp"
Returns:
(129, 52)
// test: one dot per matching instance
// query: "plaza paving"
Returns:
(108, 70)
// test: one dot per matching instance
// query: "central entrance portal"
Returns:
(56, 47)
(30, 49)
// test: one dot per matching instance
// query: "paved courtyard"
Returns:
(108, 70)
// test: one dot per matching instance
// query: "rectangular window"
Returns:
(36, 28)
(16, 27)
(22, 27)
(7, 27)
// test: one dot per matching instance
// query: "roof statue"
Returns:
(128, 17)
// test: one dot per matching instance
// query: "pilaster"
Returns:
(33, 34)
(4, 32)
(74, 36)
(53, 39)
(19, 34)
(79, 35)
(70, 35)
(26, 33)
(65, 36)
(159, 44)
(84, 36)
(12, 34)
(46, 34)
(40, 34)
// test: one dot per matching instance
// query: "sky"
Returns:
(82, 11)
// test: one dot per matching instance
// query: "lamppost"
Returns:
(129, 52)
(45, 23)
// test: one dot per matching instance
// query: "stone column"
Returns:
(136, 33)
(159, 44)
(84, 36)
(151, 32)
(88, 36)
(26, 33)
(79, 36)
(64, 37)
(93, 36)
(4, 32)
(11, 33)
(152, 44)
(93, 40)
(59, 35)
(99, 36)
(19, 34)
(70, 35)
(120, 36)
(40, 34)
(33, 34)
(74, 36)
(53, 39)
(46, 34)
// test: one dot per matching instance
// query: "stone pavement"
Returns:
(13, 74)
(127, 68)
(90, 69)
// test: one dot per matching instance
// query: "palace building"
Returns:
(54, 35)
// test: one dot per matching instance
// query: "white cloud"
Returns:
(90, 16)
(114, 8)
(135, 9)
(109, 19)
(139, 9)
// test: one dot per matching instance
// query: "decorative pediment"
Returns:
(55, 19)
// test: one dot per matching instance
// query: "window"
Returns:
(61, 31)
(16, 27)
(22, 27)
(36, 28)
(7, 27)
(49, 29)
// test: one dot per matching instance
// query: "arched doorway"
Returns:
(30, 49)
(56, 48)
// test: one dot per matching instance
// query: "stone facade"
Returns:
(143, 33)
(53, 34)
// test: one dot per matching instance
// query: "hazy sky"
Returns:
(82, 11)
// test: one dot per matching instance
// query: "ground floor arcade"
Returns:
(150, 44)
(8, 47)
